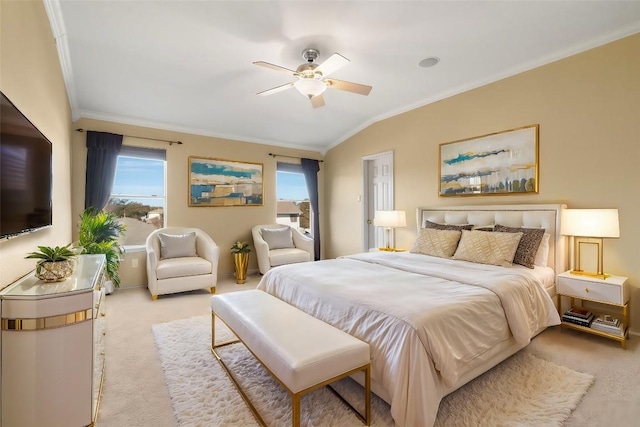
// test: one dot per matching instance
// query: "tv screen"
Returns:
(25, 174)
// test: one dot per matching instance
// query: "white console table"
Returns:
(52, 347)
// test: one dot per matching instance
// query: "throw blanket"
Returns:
(425, 318)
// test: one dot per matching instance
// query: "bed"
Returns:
(433, 323)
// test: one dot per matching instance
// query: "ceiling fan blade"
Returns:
(275, 89)
(348, 86)
(275, 67)
(333, 63)
(317, 101)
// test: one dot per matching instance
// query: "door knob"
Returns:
(368, 221)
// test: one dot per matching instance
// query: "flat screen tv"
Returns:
(25, 174)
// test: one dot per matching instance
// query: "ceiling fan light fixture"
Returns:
(310, 87)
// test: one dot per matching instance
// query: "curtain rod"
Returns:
(291, 157)
(143, 137)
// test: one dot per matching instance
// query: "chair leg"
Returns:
(154, 297)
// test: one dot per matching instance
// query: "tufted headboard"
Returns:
(528, 216)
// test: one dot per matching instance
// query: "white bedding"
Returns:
(426, 319)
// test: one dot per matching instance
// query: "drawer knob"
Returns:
(586, 290)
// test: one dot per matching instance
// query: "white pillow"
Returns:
(487, 247)
(542, 256)
(177, 245)
(278, 238)
(434, 242)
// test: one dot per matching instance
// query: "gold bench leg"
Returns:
(295, 410)
(367, 395)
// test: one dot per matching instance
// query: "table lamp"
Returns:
(589, 227)
(389, 220)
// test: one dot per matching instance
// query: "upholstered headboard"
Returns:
(528, 216)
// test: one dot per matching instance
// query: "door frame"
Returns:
(365, 192)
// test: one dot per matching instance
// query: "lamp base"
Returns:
(590, 274)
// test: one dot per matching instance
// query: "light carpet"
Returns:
(523, 391)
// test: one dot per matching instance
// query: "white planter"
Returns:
(109, 287)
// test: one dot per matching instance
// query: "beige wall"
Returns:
(31, 77)
(588, 108)
(226, 225)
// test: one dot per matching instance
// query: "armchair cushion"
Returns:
(278, 238)
(177, 245)
(182, 267)
(287, 256)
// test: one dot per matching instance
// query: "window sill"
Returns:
(133, 248)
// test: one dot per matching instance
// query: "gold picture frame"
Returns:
(217, 182)
(501, 163)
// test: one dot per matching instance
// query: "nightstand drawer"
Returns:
(583, 288)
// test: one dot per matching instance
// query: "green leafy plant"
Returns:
(98, 234)
(49, 254)
(240, 248)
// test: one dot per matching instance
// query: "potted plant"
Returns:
(98, 234)
(55, 265)
(240, 251)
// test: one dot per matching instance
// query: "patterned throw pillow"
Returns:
(528, 246)
(429, 224)
(434, 242)
(487, 247)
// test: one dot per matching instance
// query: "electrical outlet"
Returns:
(134, 262)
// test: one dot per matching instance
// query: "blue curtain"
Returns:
(310, 170)
(102, 157)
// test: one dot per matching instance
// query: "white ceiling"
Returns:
(187, 65)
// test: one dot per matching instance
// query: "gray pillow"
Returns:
(278, 238)
(177, 245)
(528, 246)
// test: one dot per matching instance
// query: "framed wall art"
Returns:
(494, 164)
(220, 182)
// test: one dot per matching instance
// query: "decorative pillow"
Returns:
(488, 227)
(528, 246)
(542, 256)
(486, 247)
(429, 224)
(434, 242)
(177, 245)
(278, 238)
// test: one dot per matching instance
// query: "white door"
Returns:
(377, 172)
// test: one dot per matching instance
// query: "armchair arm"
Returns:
(262, 250)
(207, 248)
(302, 241)
(152, 263)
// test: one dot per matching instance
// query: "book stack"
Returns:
(578, 316)
(607, 324)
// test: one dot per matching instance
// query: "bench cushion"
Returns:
(300, 350)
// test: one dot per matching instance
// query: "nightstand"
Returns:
(612, 291)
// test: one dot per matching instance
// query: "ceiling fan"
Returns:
(312, 81)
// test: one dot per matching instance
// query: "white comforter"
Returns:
(425, 318)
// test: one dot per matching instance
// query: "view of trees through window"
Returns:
(138, 196)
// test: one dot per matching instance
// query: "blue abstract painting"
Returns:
(498, 163)
(219, 182)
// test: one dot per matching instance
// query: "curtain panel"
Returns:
(102, 157)
(310, 168)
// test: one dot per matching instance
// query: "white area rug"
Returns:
(522, 391)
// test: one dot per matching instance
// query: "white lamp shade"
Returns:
(590, 223)
(391, 219)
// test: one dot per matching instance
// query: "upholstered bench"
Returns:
(300, 351)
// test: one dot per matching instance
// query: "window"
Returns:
(138, 193)
(293, 199)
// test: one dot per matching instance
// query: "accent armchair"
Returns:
(181, 259)
(278, 244)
